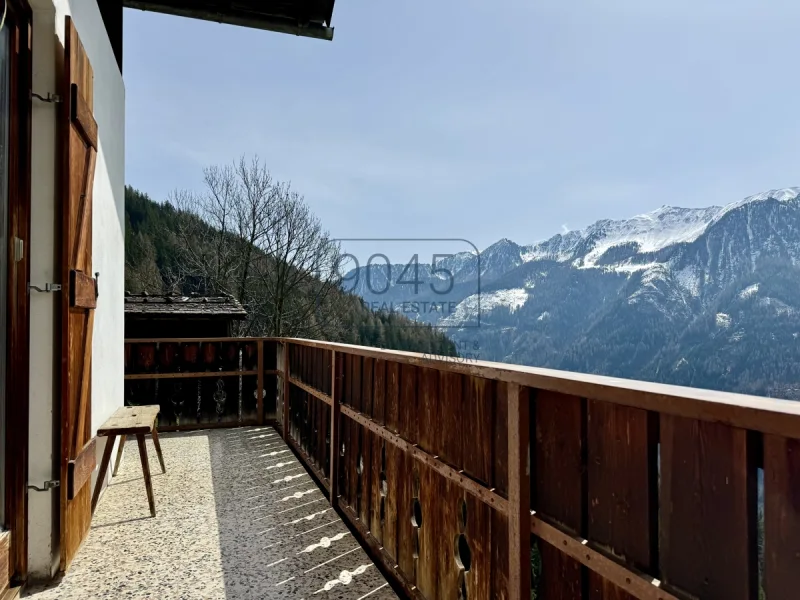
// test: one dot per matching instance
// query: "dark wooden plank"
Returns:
(559, 487)
(446, 529)
(352, 465)
(14, 542)
(430, 429)
(344, 460)
(499, 439)
(347, 391)
(357, 383)
(379, 392)
(622, 446)
(477, 419)
(500, 557)
(376, 507)
(82, 291)
(193, 375)
(519, 487)
(561, 577)
(393, 483)
(365, 464)
(781, 517)
(366, 385)
(260, 383)
(334, 429)
(451, 418)
(322, 434)
(478, 534)
(287, 365)
(559, 458)
(81, 468)
(392, 407)
(408, 403)
(428, 561)
(708, 495)
(405, 533)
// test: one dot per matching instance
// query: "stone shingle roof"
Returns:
(146, 305)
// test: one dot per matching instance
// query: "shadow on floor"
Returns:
(238, 517)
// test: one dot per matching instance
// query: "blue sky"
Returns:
(476, 119)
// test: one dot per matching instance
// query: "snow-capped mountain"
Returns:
(708, 297)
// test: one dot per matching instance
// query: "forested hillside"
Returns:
(162, 246)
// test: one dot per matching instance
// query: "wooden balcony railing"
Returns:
(482, 480)
(203, 383)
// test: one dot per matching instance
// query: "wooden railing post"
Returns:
(519, 502)
(260, 389)
(334, 468)
(286, 391)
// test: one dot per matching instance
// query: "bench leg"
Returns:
(119, 455)
(101, 476)
(157, 444)
(146, 471)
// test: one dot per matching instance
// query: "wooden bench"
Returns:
(130, 420)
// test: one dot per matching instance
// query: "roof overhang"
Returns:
(308, 18)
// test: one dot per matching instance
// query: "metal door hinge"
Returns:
(47, 485)
(48, 287)
(53, 98)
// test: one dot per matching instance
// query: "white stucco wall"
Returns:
(108, 238)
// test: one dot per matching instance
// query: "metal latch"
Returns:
(19, 249)
(48, 287)
(48, 485)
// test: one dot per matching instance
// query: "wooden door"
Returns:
(17, 327)
(78, 138)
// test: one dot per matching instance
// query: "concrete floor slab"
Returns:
(238, 517)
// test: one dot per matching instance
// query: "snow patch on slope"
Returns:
(482, 303)
(689, 279)
(513, 299)
(749, 291)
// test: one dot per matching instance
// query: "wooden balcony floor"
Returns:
(237, 517)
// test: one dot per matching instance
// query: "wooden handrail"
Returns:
(768, 415)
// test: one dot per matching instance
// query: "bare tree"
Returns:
(250, 237)
(221, 227)
(298, 269)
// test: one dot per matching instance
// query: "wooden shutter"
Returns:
(78, 140)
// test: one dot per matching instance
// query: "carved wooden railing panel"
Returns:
(483, 480)
(201, 383)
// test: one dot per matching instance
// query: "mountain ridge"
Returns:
(635, 297)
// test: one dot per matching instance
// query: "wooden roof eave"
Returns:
(318, 29)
